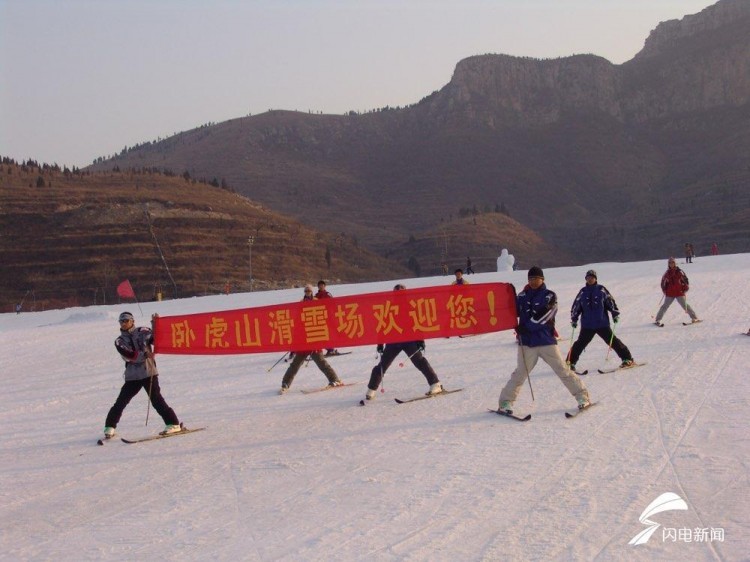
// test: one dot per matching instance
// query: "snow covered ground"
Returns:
(318, 477)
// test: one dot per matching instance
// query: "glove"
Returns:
(380, 348)
(616, 319)
(422, 346)
(574, 325)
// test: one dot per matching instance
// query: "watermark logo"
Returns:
(666, 502)
(671, 502)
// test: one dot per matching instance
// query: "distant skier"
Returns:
(536, 306)
(689, 253)
(413, 350)
(468, 266)
(594, 304)
(324, 294)
(675, 285)
(714, 249)
(134, 346)
(459, 280)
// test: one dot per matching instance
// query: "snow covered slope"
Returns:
(318, 477)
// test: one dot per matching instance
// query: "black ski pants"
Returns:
(129, 390)
(585, 337)
(412, 349)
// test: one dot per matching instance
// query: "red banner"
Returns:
(386, 317)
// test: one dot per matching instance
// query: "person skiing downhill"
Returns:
(594, 304)
(134, 346)
(413, 350)
(536, 306)
(675, 285)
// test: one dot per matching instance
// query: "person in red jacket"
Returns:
(675, 285)
(324, 294)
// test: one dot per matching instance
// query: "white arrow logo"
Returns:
(666, 502)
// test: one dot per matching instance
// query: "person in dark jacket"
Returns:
(594, 304)
(675, 285)
(536, 306)
(298, 357)
(134, 346)
(413, 350)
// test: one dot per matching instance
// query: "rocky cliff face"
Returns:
(697, 63)
(670, 34)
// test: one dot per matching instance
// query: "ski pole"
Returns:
(611, 339)
(653, 314)
(382, 374)
(409, 357)
(525, 366)
(570, 349)
(277, 362)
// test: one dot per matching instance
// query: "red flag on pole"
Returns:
(125, 290)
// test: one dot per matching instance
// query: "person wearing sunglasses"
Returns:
(134, 346)
(536, 307)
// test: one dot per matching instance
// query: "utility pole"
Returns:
(250, 240)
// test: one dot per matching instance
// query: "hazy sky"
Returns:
(84, 78)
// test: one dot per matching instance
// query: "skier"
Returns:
(298, 357)
(459, 273)
(468, 266)
(389, 352)
(714, 249)
(324, 294)
(689, 253)
(592, 304)
(134, 345)
(537, 306)
(675, 285)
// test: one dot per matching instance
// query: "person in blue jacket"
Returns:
(594, 303)
(536, 307)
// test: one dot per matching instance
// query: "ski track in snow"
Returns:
(318, 477)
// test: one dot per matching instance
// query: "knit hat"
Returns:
(536, 272)
(399, 287)
(309, 287)
(125, 316)
(592, 273)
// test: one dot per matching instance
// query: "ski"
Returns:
(426, 396)
(160, 436)
(660, 324)
(326, 387)
(507, 415)
(691, 323)
(581, 373)
(102, 441)
(336, 354)
(579, 410)
(618, 368)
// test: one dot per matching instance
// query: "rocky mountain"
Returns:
(602, 161)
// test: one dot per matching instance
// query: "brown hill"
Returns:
(603, 161)
(69, 238)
